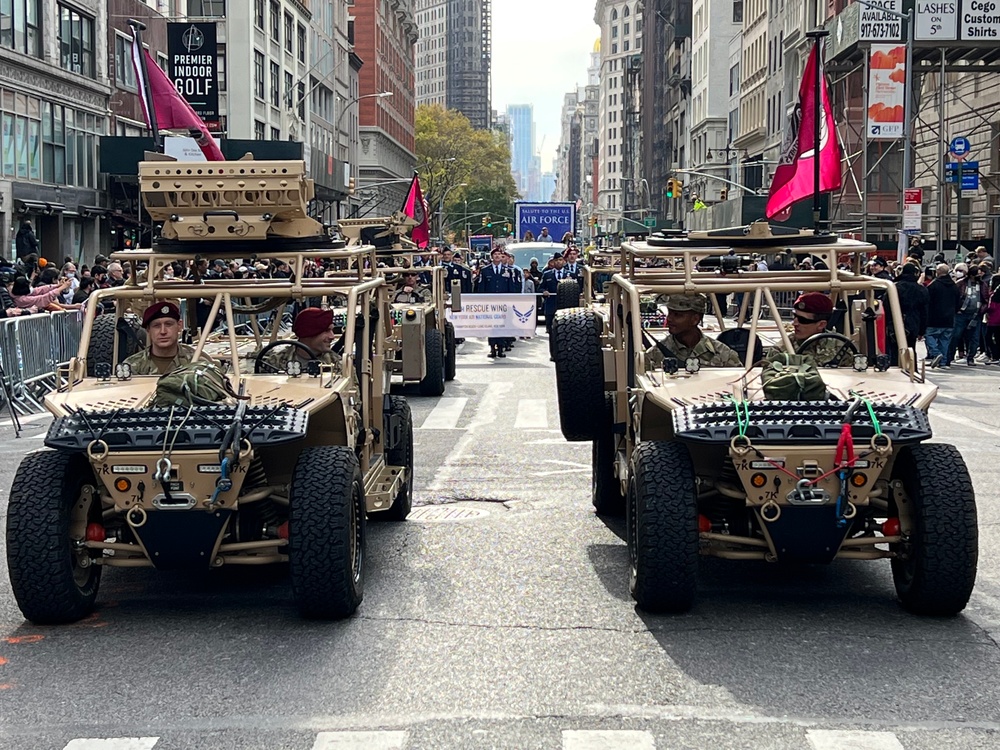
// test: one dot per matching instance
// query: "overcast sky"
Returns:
(541, 50)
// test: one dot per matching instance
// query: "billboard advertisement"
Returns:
(558, 218)
(886, 91)
(193, 66)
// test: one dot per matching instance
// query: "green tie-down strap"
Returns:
(793, 377)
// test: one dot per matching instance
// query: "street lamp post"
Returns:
(467, 202)
(441, 208)
(729, 151)
(356, 99)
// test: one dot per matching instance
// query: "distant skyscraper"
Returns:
(454, 57)
(520, 119)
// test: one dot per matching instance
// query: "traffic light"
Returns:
(350, 186)
(671, 190)
(723, 194)
(509, 228)
(484, 221)
(593, 220)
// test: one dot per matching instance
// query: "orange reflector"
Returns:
(704, 525)
(123, 484)
(283, 531)
(859, 480)
(891, 527)
(758, 480)
(95, 533)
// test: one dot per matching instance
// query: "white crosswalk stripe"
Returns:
(360, 741)
(607, 739)
(532, 414)
(113, 743)
(445, 414)
(841, 739)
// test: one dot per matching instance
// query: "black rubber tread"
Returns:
(433, 382)
(662, 521)
(567, 294)
(606, 489)
(450, 358)
(938, 576)
(325, 580)
(39, 558)
(576, 335)
(102, 342)
(401, 455)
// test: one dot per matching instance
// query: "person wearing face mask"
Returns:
(973, 295)
(69, 272)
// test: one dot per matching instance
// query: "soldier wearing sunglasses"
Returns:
(811, 315)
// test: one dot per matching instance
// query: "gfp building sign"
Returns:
(957, 20)
(193, 66)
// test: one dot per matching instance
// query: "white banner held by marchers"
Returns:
(495, 316)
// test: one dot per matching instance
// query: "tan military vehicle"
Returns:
(786, 459)
(285, 467)
(422, 341)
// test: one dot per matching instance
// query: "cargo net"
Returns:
(204, 428)
(798, 422)
(229, 200)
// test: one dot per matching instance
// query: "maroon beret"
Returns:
(816, 303)
(159, 310)
(311, 322)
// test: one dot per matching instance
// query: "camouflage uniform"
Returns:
(281, 356)
(822, 353)
(709, 352)
(419, 295)
(143, 363)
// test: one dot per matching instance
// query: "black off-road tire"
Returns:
(576, 348)
(49, 585)
(327, 532)
(607, 493)
(102, 340)
(938, 572)
(401, 455)
(433, 382)
(662, 528)
(567, 294)
(450, 359)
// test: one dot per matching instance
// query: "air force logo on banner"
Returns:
(523, 317)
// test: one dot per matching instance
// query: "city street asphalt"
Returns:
(499, 616)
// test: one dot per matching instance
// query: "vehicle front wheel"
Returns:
(326, 532)
(52, 499)
(662, 527)
(935, 570)
(451, 356)
(433, 382)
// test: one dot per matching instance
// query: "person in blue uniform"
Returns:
(455, 270)
(548, 287)
(496, 278)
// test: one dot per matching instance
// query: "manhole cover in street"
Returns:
(445, 513)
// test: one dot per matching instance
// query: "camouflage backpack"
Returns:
(194, 384)
(793, 377)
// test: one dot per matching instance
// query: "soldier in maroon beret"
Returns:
(811, 315)
(314, 328)
(162, 321)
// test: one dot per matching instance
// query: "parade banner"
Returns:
(495, 315)
(886, 91)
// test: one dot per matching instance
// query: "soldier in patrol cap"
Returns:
(314, 328)
(685, 340)
(162, 321)
(812, 312)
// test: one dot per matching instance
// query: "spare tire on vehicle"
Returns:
(567, 294)
(576, 334)
(131, 339)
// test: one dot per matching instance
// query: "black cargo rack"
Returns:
(204, 429)
(798, 423)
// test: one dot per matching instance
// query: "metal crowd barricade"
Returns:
(31, 348)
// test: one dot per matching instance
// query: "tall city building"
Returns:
(385, 37)
(454, 57)
(621, 44)
(521, 122)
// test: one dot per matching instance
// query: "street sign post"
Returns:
(959, 146)
(913, 203)
(969, 171)
(649, 221)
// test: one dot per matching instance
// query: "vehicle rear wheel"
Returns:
(327, 531)
(52, 499)
(936, 570)
(607, 492)
(567, 294)
(576, 342)
(433, 382)
(400, 454)
(662, 527)
(450, 360)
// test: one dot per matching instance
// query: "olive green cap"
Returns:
(682, 302)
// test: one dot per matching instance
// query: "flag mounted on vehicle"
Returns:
(795, 176)
(163, 107)
(415, 208)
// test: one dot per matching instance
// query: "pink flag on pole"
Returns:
(794, 177)
(416, 209)
(171, 110)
